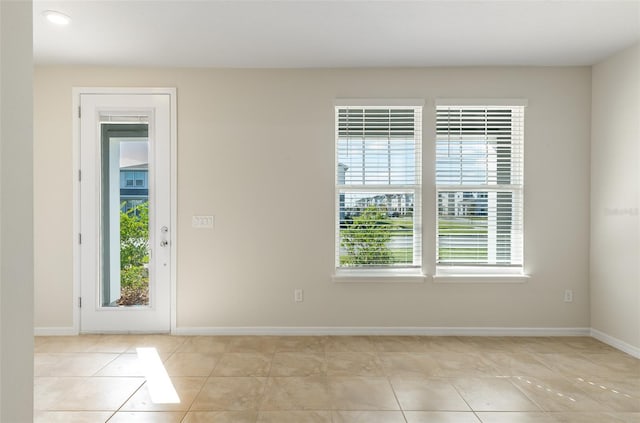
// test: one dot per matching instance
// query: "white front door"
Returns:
(125, 257)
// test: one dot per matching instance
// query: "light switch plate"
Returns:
(203, 222)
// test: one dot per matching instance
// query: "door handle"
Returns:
(164, 243)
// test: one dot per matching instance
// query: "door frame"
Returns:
(173, 136)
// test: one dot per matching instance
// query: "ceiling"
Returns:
(334, 33)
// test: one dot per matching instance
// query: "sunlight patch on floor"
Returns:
(161, 390)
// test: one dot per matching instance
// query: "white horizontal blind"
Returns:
(123, 118)
(479, 184)
(378, 186)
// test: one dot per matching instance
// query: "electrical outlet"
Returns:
(298, 295)
(568, 296)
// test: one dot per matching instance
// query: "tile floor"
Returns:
(366, 379)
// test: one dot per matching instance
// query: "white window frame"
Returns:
(467, 273)
(413, 273)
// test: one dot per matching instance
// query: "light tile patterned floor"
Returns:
(375, 379)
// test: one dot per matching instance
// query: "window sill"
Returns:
(480, 276)
(379, 276)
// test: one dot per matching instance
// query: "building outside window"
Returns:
(134, 186)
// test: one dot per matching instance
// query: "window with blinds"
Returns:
(378, 187)
(479, 184)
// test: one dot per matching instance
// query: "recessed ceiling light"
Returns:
(56, 17)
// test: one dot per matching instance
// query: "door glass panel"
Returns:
(124, 215)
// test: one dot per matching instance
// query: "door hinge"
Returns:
(79, 112)
(79, 175)
(80, 302)
(79, 238)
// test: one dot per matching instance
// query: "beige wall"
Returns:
(16, 212)
(256, 149)
(615, 192)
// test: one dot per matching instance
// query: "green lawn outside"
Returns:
(398, 256)
(464, 227)
(473, 226)
(402, 256)
(402, 223)
(400, 226)
(460, 254)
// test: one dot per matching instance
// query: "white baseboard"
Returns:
(338, 330)
(358, 330)
(55, 331)
(367, 330)
(616, 343)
